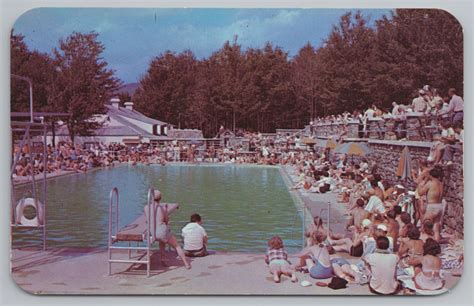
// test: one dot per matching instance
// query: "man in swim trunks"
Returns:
(433, 190)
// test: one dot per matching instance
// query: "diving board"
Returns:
(139, 231)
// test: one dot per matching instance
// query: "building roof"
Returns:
(106, 130)
(133, 114)
(127, 128)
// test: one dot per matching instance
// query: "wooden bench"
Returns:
(136, 230)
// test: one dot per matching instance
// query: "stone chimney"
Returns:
(129, 105)
(115, 102)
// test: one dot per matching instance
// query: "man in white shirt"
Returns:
(370, 245)
(420, 104)
(383, 269)
(195, 237)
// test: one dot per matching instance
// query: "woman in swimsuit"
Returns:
(411, 249)
(316, 258)
(428, 276)
(162, 232)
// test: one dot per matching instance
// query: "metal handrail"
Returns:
(328, 210)
(113, 195)
(151, 208)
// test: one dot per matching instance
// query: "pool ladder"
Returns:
(114, 230)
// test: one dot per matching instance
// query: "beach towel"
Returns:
(375, 204)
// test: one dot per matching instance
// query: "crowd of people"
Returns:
(394, 235)
(82, 158)
(446, 112)
(427, 101)
(393, 240)
(260, 149)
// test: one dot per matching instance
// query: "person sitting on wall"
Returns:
(448, 137)
(449, 149)
(195, 237)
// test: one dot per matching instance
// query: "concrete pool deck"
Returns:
(84, 271)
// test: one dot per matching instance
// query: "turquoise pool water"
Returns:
(242, 207)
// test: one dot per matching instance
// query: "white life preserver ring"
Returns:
(20, 212)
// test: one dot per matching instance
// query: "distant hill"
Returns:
(128, 88)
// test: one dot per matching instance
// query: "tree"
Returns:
(260, 89)
(344, 66)
(416, 47)
(165, 92)
(228, 67)
(203, 110)
(82, 83)
(32, 64)
(305, 81)
(269, 102)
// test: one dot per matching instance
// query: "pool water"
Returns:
(242, 206)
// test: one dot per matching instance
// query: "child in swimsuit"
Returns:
(277, 260)
(316, 258)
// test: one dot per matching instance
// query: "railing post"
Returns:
(45, 170)
(113, 192)
(329, 217)
(303, 228)
(151, 199)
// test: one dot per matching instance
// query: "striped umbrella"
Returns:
(353, 148)
(404, 165)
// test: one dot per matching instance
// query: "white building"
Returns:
(126, 126)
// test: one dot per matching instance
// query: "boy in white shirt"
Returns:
(195, 237)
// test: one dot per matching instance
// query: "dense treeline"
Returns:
(263, 89)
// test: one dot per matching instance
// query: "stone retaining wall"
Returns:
(387, 157)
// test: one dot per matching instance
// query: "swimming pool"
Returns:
(242, 206)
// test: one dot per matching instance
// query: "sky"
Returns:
(133, 37)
